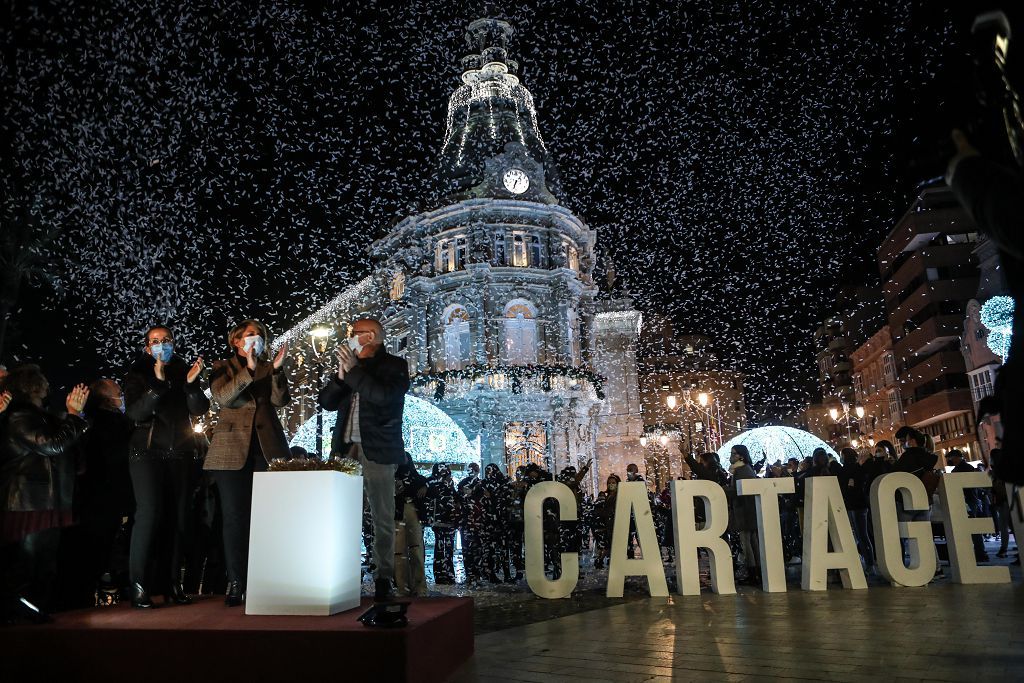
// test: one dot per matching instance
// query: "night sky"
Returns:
(207, 162)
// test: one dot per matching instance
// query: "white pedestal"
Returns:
(304, 543)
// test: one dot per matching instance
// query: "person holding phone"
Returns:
(249, 388)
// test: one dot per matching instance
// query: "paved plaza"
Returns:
(942, 632)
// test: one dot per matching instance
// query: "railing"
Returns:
(515, 379)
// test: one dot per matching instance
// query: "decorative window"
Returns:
(889, 367)
(981, 384)
(535, 251)
(895, 409)
(525, 443)
(572, 336)
(520, 319)
(520, 257)
(572, 256)
(456, 337)
(499, 250)
(450, 254)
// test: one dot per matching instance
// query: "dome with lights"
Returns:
(429, 434)
(774, 444)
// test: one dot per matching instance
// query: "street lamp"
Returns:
(847, 418)
(319, 338)
(702, 406)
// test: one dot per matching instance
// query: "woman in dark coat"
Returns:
(743, 513)
(249, 389)
(162, 395)
(36, 483)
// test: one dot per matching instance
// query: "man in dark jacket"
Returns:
(369, 394)
(443, 517)
(851, 482)
(955, 459)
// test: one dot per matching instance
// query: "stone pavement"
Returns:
(942, 632)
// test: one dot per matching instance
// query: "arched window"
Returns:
(520, 346)
(456, 337)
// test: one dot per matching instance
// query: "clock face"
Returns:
(515, 181)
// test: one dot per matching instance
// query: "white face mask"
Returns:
(353, 343)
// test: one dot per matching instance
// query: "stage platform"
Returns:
(207, 641)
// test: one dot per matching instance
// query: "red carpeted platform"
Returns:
(207, 641)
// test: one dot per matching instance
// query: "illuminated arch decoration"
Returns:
(430, 435)
(996, 315)
(777, 443)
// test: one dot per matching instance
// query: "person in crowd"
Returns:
(707, 467)
(517, 530)
(878, 464)
(472, 477)
(472, 516)
(1001, 492)
(249, 389)
(368, 392)
(955, 459)
(603, 519)
(921, 462)
(571, 532)
(743, 513)
(105, 488)
(822, 465)
(497, 502)
(803, 470)
(793, 465)
(851, 483)
(162, 395)
(443, 517)
(633, 472)
(410, 497)
(36, 485)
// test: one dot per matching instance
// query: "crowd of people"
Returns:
(119, 494)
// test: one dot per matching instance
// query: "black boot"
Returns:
(140, 597)
(382, 591)
(177, 595)
(234, 596)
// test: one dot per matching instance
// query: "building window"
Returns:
(572, 257)
(499, 250)
(520, 347)
(525, 443)
(456, 338)
(895, 409)
(889, 365)
(981, 384)
(858, 387)
(520, 259)
(535, 251)
(450, 254)
(572, 336)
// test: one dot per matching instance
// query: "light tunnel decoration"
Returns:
(430, 435)
(996, 315)
(775, 443)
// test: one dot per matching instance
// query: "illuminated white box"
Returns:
(304, 543)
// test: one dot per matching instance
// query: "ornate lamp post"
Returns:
(846, 417)
(700, 406)
(320, 336)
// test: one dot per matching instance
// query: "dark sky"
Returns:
(207, 162)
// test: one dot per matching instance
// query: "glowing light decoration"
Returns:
(430, 435)
(775, 443)
(996, 315)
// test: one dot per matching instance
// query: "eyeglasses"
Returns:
(165, 340)
(356, 333)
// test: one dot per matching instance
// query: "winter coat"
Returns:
(742, 509)
(381, 382)
(442, 503)
(851, 482)
(874, 468)
(161, 411)
(37, 466)
(248, 405)
(408, 483)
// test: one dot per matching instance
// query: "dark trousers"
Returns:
(161, 518)
(29, 569)
(444, 553)
(859, 522)
(235, 488)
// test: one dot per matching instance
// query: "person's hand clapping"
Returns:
(346, 360)
(75, 402)
(250, 358)
(5, 400)
(279, 358)
(194, 371)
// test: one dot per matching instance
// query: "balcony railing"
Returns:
(515, 379)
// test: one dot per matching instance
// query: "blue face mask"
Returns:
(254, 345)
(163, 352)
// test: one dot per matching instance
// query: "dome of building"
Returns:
(430, 436)
(775, 443)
